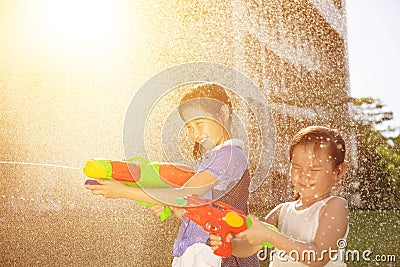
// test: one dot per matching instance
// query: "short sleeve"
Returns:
(227, 164)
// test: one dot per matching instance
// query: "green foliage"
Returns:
(378, 155)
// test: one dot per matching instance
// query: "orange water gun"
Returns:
(139, 172)
(219, 219)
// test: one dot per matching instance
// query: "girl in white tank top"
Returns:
(312, 228)
(302, 225)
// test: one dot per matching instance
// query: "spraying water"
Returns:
(39, 164)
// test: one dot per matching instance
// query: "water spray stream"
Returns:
(39, 164)
(46, 203)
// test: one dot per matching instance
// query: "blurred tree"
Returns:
(378, 155)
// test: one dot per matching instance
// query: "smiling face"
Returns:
(207, 132)
(206, 111)
(312, 171)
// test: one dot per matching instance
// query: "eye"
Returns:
(316, 169)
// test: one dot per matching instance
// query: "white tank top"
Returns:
(301, 225)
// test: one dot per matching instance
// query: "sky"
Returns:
(373, 31)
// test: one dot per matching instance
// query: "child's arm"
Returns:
(199, 184)
(333, 223)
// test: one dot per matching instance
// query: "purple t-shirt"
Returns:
(227, 162)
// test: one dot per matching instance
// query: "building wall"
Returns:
(296, 53)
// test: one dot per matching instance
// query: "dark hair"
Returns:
(207, 90)
(321, 135)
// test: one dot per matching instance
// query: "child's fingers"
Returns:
(97, 189)
(174, 209)
(100, 183)
(93, 187)
(215, 241)
(215, 238)
(229, 238)
(243, 235)
(157, 209)
(177, 211)
(105, 181)
(97, 192)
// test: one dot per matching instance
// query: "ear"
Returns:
(341, 170)
(225, 114)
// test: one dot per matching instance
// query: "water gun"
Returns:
(139, 172)
(219, 219)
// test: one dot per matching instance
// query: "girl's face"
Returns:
(202, 129)
(312, 171)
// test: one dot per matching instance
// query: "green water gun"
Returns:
(139, 172)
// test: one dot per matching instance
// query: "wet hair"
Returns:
(320, 135)
(207, 90)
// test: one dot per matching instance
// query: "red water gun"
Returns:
(219, 219)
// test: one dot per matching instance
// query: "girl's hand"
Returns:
(257, 234)
(157, 210)
(108, 188)
(215, 240)
(177, 211)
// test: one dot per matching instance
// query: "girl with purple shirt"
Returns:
(221, 173)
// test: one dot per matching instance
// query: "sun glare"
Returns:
(83, 26)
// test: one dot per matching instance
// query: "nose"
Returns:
(305, 175)
(195, 133)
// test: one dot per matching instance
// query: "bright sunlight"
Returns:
(89, 26)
